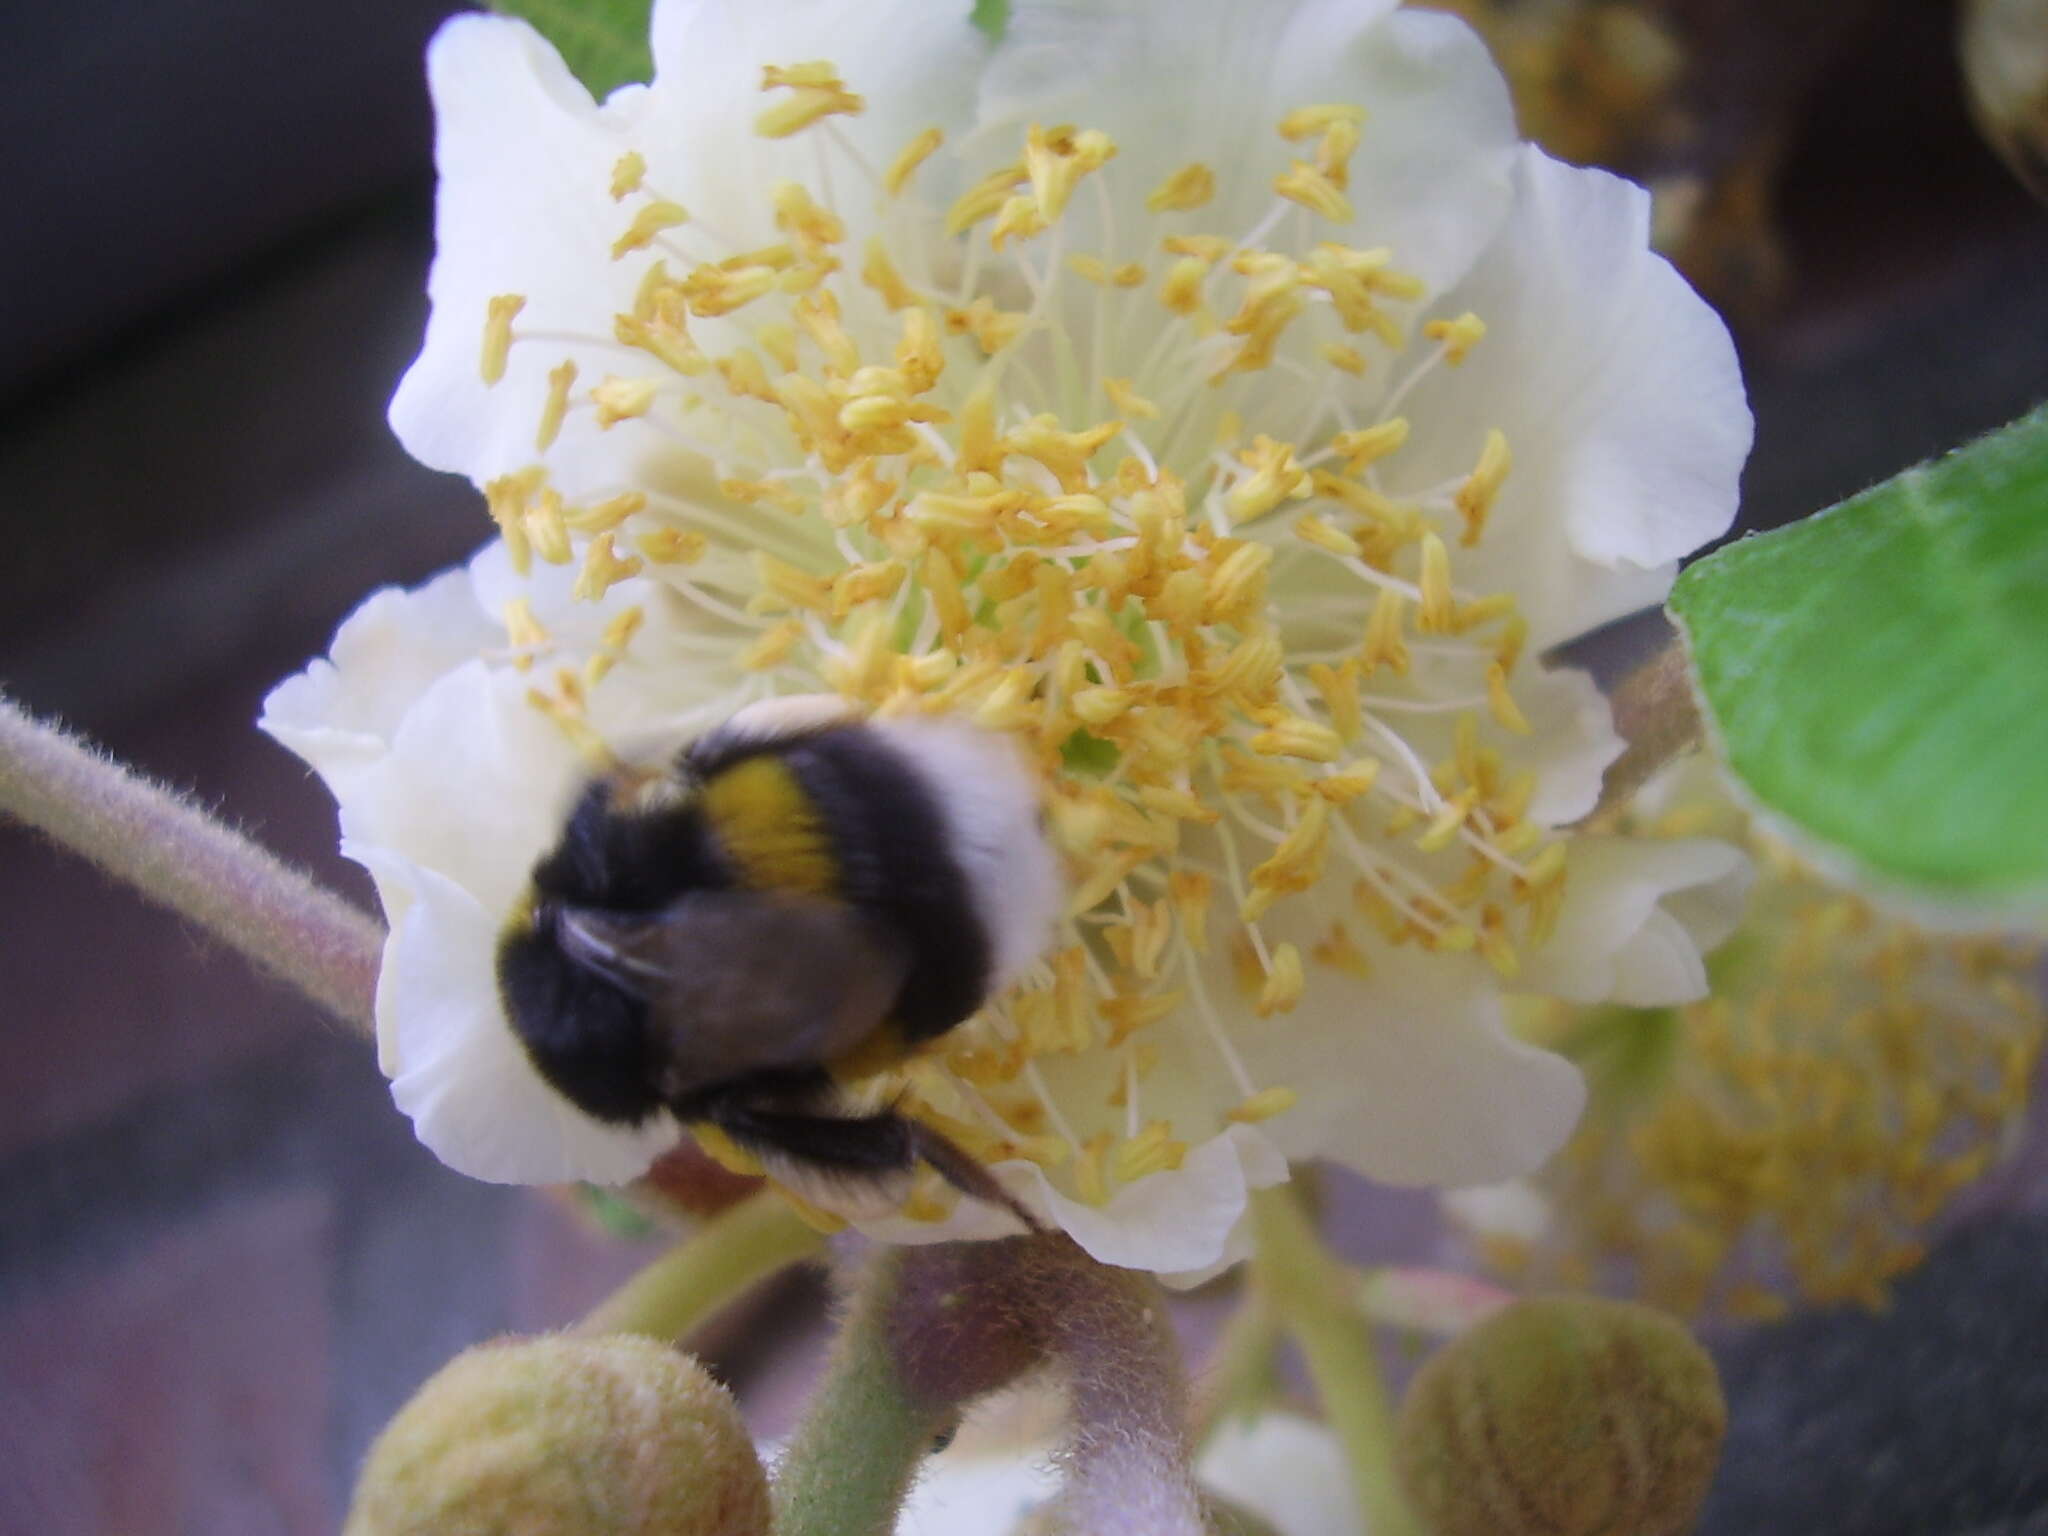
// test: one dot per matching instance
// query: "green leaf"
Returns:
(604, 42)
(992, 17)
(1877, 677)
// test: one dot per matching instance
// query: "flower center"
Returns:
(1058, 458)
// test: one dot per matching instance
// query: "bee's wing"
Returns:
(747, 981)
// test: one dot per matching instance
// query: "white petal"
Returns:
(1572, 741)
(914, 66)
(524, 207)
(1412, 1078)
(1180, 81)
(1288, 1469)
(1175, 1220)
(473, 787)
(1619, 393)
(1619, 937)
(342, 711)
(459, 1073)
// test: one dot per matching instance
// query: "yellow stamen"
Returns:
(628, 171)
(1189, 187)
(649, 222)
(498, 318)
(913, 155)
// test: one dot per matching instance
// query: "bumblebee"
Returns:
(797, 897)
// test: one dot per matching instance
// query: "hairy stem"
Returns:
(1311, 1292)
(1657, 712)
(714, 1266)
(854, 1455)
(177, 855)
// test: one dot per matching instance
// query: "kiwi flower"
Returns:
(1799, 1135)
(1216, 398)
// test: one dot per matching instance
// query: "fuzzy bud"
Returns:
(1564, 1416)
(615, 1436)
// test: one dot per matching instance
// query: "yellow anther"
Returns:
(1249, 670)
(620, 629)
(628, 171)
(712, 291)
(602, 568)
(1338, 688)
(1152, 1150)
(1370, 444)
(771, 647)
(912, 155)
(1475, 496)
(498, 317)
(1236, 585)
(1338, 356)
(1502, 703)
(1297, 863)
(993, 328)
(798, 215)
(604, 516)
(1055, 161)
(1263, 1105)
(984, 198)
(1275, 478)
(1437, 612)
(1314, 530)
(1340, 952)
(1296, 737)
(816, 91)
(1458, 336)
(1064, 453)
(1126, 1016)
(1307, 122)
(547, 526)
(785, 585)
(1306, 185)
(1443, 827)
(1181, 291)
(649, 222)
(1099, 272)
(880, 274)
(1189, 187)
(561, 380)
(1333, 154)
(620, 400)
(1348, 784)
(1018, 219)
(1385, 639)
(1283, 985)
(523, 632)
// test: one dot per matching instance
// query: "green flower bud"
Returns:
(1564, 1416)
(616, 1436)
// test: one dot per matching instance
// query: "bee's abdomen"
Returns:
(889, 848)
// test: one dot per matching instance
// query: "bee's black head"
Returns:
(620, 853)
(584, 1033)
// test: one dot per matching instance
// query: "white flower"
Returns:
(1244, 477)
(1796, 1135)
(1284, 1468)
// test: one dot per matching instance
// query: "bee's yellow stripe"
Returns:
(770, 828)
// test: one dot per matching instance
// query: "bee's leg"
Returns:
(857, 1146)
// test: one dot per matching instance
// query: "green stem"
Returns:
(1239, 1378)
(174, 853)
(718, 1263)
(1310, 1295)
(853, 1458)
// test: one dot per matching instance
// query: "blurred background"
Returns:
(223, 1260)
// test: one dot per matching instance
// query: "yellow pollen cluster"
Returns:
(1796, 1135)
(926, 503)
